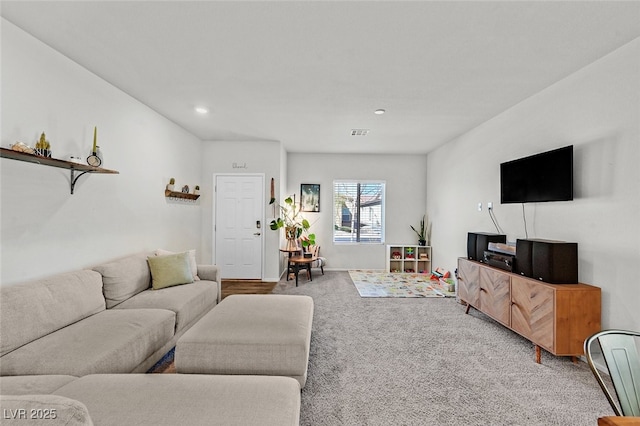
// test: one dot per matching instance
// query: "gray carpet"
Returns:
(424, 362)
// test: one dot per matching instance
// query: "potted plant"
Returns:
(196, 190)
(171, 184)
(422, 232)
(294, 225)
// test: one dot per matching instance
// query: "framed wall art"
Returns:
(310, 197)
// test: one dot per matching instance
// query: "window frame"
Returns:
(336, 214)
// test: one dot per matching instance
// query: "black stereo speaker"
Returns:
(554, 262)
(523, 265)
(478, 242)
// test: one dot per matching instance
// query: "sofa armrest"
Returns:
(44, 409)
(210, 273)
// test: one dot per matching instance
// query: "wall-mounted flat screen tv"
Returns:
(547, 176)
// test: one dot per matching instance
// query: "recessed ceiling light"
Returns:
(201, 110)
(379, 111)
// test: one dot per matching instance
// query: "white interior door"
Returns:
(239, 225)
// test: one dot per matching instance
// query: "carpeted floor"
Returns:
(424, 362)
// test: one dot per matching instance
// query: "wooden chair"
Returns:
(321, 261)
(620, 352)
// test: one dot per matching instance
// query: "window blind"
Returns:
(358, 210)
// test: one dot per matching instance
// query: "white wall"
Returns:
(263, 157)
(405, 203)
(46, 230)
(598, 111)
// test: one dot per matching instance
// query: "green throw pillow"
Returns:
(170, 270)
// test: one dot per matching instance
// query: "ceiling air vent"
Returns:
(359, 132)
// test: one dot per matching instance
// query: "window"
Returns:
(358, 211)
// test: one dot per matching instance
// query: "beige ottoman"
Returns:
(252, 335)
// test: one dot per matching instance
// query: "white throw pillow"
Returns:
(192, 260)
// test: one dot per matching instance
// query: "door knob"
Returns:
(256, 233)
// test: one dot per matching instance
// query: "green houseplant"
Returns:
(295, 225)
(422, 232)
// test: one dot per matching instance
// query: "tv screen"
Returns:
(542, 177)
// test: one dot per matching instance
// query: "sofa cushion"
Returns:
(53, 410)
(124, 278)
(32, 310)
(183, 399)
(112, 341)
(170, 270)
(189, 302)
(192, 261)
(255, 334)
(32, 385)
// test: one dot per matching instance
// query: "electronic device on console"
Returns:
(551, 261)
(500, 260)
(478, 242)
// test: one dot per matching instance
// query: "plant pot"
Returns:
(422, 243)
(292, 245)
(170, 187)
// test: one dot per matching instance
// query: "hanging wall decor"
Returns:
(310, 197)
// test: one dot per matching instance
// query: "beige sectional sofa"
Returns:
(151, 399)
(105, 320)
(66, 340)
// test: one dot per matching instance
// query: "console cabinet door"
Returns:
(495, 298)
(469, 282)
(532, 311)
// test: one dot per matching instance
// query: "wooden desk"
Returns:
(300, 262)
(619, 421)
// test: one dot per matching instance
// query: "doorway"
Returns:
(239, 225)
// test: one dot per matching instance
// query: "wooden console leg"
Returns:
(468, 307)
(538, 354)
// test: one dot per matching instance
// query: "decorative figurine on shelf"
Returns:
(185, 189)
(22, 147)
(196, 190)
(396, 255)
(410, 254)
(43, 147)
(93, 159)
(171, 184)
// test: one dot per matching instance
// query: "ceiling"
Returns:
(308, 72)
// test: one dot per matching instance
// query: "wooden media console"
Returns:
(555, 317)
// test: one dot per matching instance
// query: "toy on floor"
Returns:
(440, 273)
